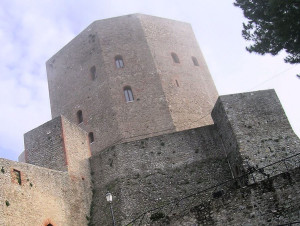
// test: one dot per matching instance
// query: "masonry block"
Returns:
(255, 131)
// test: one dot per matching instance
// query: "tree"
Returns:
(272, 26)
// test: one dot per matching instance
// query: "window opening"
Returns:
(119, 61)
(91, 137)
(175, 58)
(17, 176)
(177, 83)
(79, 117)
(128, 94)
(93, 72)
(195, 61)
(237, 170)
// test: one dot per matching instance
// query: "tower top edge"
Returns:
(111, 19)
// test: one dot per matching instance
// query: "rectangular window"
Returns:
(128, 94)
(16, 174)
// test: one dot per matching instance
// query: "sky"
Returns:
(32, 31)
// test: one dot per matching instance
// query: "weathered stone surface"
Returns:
(44, 195)
(53, 195)
(145, 44)
(255, 131)
(272, 202)
(144, 174)
(44, 146)
(148, 152)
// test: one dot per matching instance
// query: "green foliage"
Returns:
(2, 170)
(273, 25)
(7, 203)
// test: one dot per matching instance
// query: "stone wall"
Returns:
(275, 201)
(77, 149)
(44, 146)
(146, 173)
(60, 145)
(255, 130)
(43, 196)
(188, 88)
(145, 44)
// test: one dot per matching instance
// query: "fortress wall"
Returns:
(255, 129)
(189, 89)
(44, 196)
(146, 173)
(77, 149)
(60, 145)
(271, 202)
(44, 146)
(228, 137)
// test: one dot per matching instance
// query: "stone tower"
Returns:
(131, 77)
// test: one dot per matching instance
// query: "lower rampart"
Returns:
(274, 201)
(147, 173)
(40, 196)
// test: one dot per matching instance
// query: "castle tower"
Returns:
(131, 77)
(133, 89)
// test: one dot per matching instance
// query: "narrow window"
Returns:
(91, 137)
(93, 72)
(119, 61)
(175, 58)
(195, 61)
(177, 83)
(237, 170)
(17, 176)
(79, 117)
(128, 94)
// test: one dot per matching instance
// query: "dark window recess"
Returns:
(119, 61)
(93, 72)
(237, 170)
(218, 194)
(49, 225)
(177, 83)
(128, 94)
(17, 176)
(195, 61)
(91, 137)
(79, 116)
(175, 58)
